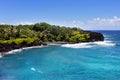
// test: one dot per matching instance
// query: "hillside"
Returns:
(17, 36)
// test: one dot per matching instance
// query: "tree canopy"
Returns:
(41, 32)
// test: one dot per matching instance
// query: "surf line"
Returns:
(90, 44)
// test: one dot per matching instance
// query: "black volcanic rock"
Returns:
(95, 36)
(8, 47)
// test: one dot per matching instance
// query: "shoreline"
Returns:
(6, 47)
(31, 47)
(19, 50)
(44, 44)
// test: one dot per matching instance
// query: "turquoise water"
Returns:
(89, 61)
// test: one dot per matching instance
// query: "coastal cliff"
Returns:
(95, 36)
(20, 36)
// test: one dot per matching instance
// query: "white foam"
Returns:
(33, 69)
(105, 43)
(14, 51)
(32, 47)
(0, 56)
(19, 50)
(79, 45)
(90, 44)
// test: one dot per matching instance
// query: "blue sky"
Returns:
(86, 14)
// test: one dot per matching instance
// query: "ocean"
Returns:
(82, 61)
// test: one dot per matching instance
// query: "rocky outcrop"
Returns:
(12, 46)
(95, 36)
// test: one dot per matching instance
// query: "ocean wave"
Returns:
(32, 47)
(79, 45)
(0, 56)
(101, 66)
(90, 44)
(19, 50)
(33, 69)
(14, 51)
(104, 43)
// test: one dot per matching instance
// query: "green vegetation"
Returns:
(40, 32)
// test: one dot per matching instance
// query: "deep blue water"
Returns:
(92, 61)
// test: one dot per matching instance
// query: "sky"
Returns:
(85, 14)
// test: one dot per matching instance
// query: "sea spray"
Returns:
(78, 45)
(0, 56)
(25, 48)
(104, 43)
(90, 44)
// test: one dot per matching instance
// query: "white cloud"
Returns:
(25, 23)
(78, 23)
(2, 23)
(115, 21)
(93, 24)
(99, 23)
(19, 23)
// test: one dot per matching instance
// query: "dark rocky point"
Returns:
(95, 36)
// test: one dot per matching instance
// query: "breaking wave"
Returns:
(0, 56)
(104, 43)
(33, 69)
(90, 44)
(19, 50)
(78, 45)
(14, 51)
